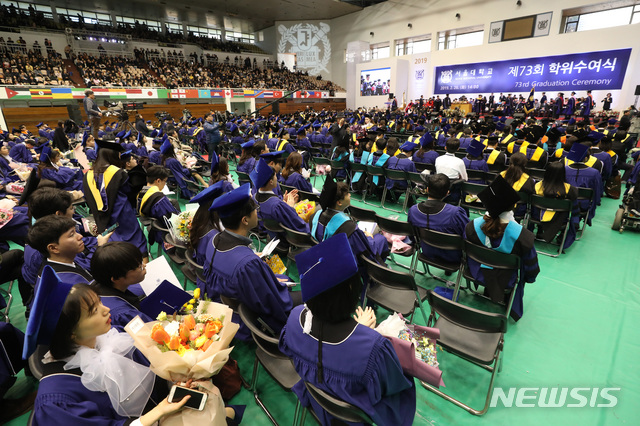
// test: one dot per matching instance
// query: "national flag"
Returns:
(266, 94)
(217, 93)
(248, 93)
(325, 94)
(277, 93)
(529, 106)
(141, 93)
(204, 93)
(238, 93)
(62, 93)
(178, 93)
(41, 94)
(228, 93)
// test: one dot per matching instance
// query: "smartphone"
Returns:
(110, 229)
(197, 401)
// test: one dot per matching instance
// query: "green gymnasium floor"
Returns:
(577, 332)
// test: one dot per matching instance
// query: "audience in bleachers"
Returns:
(113, 71)
(22, 67)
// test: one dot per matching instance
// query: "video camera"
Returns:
(120, 109)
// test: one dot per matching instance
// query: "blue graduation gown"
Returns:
(91, 154)
(605, 158)
(6, 171)
(158, 207)
(272, 207)
(199, 254)
(515, 240)
(428, 157)
(248, 166)
(234, 270)
(362, 370)
(476, 164)
(123, 307)
(63, 401)
(21, 154)
(401, 162)
(65, 178)
(296, 180)
(583, 176)
(155, 157)
(16, 229)
(121, 212)
(442, 217)
(180, 174)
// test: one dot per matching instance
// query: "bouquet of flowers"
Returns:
(191, 346)
(16, 188)
(415, 346)
(5, 216)
(180, 225)
(305, 209)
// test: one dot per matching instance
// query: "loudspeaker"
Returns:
(637, 90)
(74, 113)
(275, 108)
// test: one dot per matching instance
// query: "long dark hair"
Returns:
(554, 180)
(336, 304)
(171, 153)
(220, 172)
(245, 155)
(107, 157)
(81, 296)
(203, 222)
(492, 227)
(517, 164)
(47, 163)
(293, 164)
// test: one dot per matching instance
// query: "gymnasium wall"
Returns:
(389, 21)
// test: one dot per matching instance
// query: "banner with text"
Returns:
(602, 70)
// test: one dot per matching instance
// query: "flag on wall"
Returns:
(41, 94)
(529, 105)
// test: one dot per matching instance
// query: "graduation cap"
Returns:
(104, 144)
(48, 302)
(612, 121)
(272, 156)
(166, 297)
(44, 150)
(209, 194)
(139, 138)
(426, 140)
(498, 197)
(261, 174)
(154, 133)
(233, 128)
(326, 265)
(126, 135)
(40, 124)
(520, 134)
(578, 152)
(85, 136)
(500, 126)
(227, 204)
(408, 146)
(248, 144)
(328, 194)
(302, 131)
(572, 121)
(148, 121)
(165, 146)
(475, 148)
(596, 136)
(215, 161)
(120, 134)
(317, 125)
(125, 155)
(419, 128)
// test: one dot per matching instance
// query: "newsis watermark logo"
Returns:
(555, 397)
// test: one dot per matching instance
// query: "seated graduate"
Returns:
(498, 230)
(517, 177)
(117, 266)
(152, 202)
(401, 162)
(247, 161)
(56, 239)
(427, 153)
(89, 374)
(234, 270)
(21, 152)
(284, 144)
(65, 178)
(180, 173)
(554, 185)
(276, 162)
(495, 159)
(272, 206)
(106, 191)
(337, 353)
(331, 219)
(137, 176)
(292, 173)
(580, 175)
(591, 160)
(436, 215)
(6, 171)
(220, 172)
(603, 152)
(155, 156)
(89, 147)
(474, 160)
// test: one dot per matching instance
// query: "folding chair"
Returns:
(556, 205)
(9, 300)
(298, 242)
(360, 214)
(536, 174)
(472, 189)
(395, 291)
(494, 260)
(394, 175)
(279, 367)
(525, 199)
(439, 241)
(584, 194)
(359, 168)
(415, 189)
(243, 178)
(337, 166)
(274, 226)
(473, 335)
(156, 226)
(477, 175)
(373, 171)
(420, 167)
(398, 227)
(339, 409)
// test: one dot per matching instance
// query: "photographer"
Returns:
(141, 126)
(92, 110)
(212, 132)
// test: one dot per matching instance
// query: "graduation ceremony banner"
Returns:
(603, 70)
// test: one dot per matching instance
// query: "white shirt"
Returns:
(451, 166)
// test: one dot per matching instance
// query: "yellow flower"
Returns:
(201, 341)
(196, 293)
(189, 307)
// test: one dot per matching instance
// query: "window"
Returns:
(205, 32)
(464, 37)
(419, 44)
(24, 7)
(587, 19)
(174, 28)
(151, 25)
(239, 36)
(380, 51)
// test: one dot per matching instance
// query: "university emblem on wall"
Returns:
(495, 32)
(419, 74)
(542, 25)
(310, 43)
(446, 76)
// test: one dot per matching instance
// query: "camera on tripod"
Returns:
(162, 115)
(120, 109)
